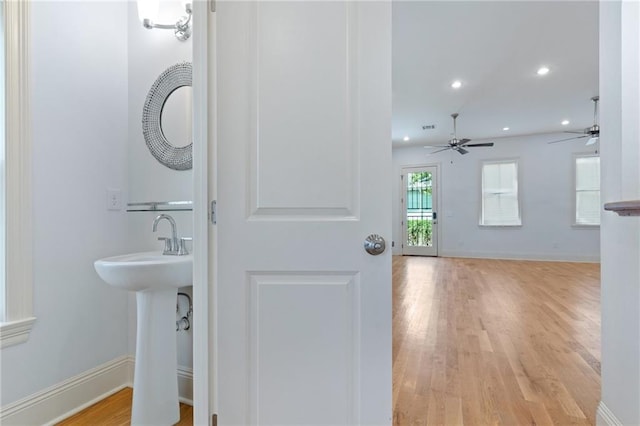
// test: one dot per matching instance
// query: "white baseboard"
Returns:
(68, 397)
(605, 417)
(515, 256)
(65, 399)
(549, 257)
(185, 385)
(185, 381)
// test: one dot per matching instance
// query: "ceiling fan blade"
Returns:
(440, 150)
(568, 139)
(463, 141)
(462, 151)
(479, 144)
(437, 146)
(593, 140)
(579, 132)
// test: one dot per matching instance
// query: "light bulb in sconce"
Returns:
(186, 5)
(148, 11)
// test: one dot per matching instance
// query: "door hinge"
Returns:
(402, 223)
(212, 4)
(213, 212)
(214, 420)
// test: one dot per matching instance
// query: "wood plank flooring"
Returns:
(495, 342)
(477, 342)
(116, 411)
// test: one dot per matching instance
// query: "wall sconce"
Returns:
(148, 13)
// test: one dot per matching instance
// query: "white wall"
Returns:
(620, 294)
(79, 105)
(546, 185)
(150, 53)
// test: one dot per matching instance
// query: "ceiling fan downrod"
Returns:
(455, 132)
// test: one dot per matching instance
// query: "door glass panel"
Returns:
(419, 205)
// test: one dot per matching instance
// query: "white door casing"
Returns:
(420, 248)
(302, 314)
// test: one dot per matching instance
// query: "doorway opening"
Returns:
(419, 210)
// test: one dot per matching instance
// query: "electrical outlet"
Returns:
(114, 199)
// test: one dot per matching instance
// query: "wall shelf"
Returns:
(624, 208)
(160, 206)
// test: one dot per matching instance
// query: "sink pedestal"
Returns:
(155, 382)
(156, 279)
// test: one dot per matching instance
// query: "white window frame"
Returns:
(481, 192)
(18, 288)
(574, 189)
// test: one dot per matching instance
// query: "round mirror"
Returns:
(168, 135)
(176, 117)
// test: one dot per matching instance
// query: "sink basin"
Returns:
(147, 270)
(155, 278)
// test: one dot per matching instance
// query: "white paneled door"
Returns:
(302, 313)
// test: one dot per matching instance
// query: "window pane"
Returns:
(500, 194)
(588, 173)
(588, 207)
(491, 177)
(587, 190)
(508, 177)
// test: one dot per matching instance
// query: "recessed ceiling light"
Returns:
(543, 70)
(505, 128)
(565, 122)
(456, 84)
(406, 139)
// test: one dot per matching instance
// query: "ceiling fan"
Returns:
(593, 132)
(456, 144)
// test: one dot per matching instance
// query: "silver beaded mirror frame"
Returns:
(171, 79)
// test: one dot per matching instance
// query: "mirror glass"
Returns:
(176, 117)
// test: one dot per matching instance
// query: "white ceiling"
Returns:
(495, 49)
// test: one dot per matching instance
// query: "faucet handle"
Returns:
(168, 246)
(182, 247)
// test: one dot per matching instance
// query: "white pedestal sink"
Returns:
(155, 278)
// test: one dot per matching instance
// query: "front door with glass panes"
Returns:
(419, 211)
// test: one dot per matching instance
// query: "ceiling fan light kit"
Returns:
(593, 132)
(458, 145)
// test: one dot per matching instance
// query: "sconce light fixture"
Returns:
(148, 13)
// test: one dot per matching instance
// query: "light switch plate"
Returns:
(114, 199)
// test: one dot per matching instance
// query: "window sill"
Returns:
(499, 226)
(15, 332)
(584, 226)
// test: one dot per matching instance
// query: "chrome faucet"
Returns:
(172, 246)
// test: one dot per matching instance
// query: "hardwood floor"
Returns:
(116, 411)
(487, 342)
(477, 342)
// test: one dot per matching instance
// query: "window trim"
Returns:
(515, 160)
(19, 317)
(574, 207)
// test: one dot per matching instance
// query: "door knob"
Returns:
(374, 244)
